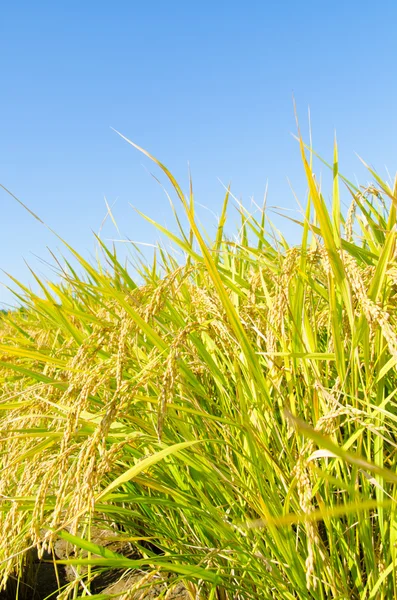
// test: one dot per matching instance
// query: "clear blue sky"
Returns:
(207, 82)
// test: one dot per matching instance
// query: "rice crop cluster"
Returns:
(231, 416)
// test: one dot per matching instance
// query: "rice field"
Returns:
(229, 417)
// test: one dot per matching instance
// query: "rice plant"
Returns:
(232, 416)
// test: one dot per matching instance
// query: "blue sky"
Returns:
(206, 82)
